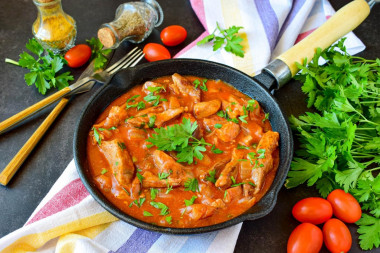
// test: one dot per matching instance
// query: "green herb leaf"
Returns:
(153, 193)
(216, 150)
(191, 185)
(147, 214)
(104, 171)
(121, 145)
(242, 147)
(152, 120)
(191, 201)
(168, 219)
(98, 53)
(163, 175)
(164, 208)
(97, 136)
(140, 177)
(218, 126)
(211, 178)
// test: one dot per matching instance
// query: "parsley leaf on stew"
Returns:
(191, 185)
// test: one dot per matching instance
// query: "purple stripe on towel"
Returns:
(269, 20)
(297, 5)
(140, 241)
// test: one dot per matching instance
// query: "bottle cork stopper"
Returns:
(107, 37)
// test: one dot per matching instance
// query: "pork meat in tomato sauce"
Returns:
(183, 151)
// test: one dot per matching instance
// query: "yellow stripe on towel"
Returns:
(34, 241)
(232, 16)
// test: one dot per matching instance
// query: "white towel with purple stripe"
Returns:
(69, 220)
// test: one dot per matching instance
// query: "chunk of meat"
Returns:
(233, 193)
(115, 117)
(150, 110)
(135, 188)
(182, 86)
(119, 160)
(228, 131)
(254, 130)
(233, 107)
(139, 122)
(154, 84)
(135, 134)
(199, 211)
(104, 182)
(248, 190)
(205, 109)
(152, 181)
(168, 115)
(218, 203)
(269, 143)
(245, 170)
(174, 103)
(167, 164)
(224, 180)
(210, 122)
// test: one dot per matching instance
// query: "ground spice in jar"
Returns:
(128, 24)
(53, 28)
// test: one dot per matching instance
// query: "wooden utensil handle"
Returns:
(31, 109)
(344, 21)
(20, 157)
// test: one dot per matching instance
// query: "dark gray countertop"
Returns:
(51, 156)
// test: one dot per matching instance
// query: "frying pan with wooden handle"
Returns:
(274, 76)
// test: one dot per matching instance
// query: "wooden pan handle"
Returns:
(344, 21)
(20, 157)
(30, 110)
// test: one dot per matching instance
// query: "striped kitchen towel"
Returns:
(69, 220)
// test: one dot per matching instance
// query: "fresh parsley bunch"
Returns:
(44, 68)
(179, 137)
(227, 38)
(98, 53)
(340, 146)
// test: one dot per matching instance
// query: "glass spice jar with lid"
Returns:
(53, 28)
(134, 21)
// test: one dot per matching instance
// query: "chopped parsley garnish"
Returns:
(234, 185)
(116, 163)
(153, 193)
(163, 175)
(218, 126)
(169, 189)
(156, 89)
(191, 201)
(191, 185)
(242, 118)
(111, 128)
(216, 150)
(126, 191)
(179, 137)
(152, 98)
(164, 208)
(211, 178)
(168, 219)
(152, 120)
(104, 171)
(250, 107)
(140, 177)
(204, 87)
(147, 214)
(196, 83)
(233, 180)
(97, 136)
(224, 114)
(225, 194)
(138, 202)
(262, 153)
(252, 184)
(121, 145)
(266, 117)
(242, 147)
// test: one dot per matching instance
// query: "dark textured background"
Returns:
(51, 156)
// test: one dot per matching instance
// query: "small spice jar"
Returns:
(53, 28)
(133, 21)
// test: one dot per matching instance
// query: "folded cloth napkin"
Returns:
(69, 220)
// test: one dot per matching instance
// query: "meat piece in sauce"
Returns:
(205, 109)
(233, 107)
(228, 131)
(199, 211)
(115, 117)
(224, 180)
(154, 84)
(210, 122)
(269, 143)
(167, 164)
(182, 86)
(161, 118)
(233, 194)
(119, 160)
(152, 181)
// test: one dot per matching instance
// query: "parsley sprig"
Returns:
(43, 68)
(227, 38)
(341, 144)
(179, 138)
(99, 55)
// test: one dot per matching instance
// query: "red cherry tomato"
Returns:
(345, 206)
(78, 55)
(305, 238)
(312, 210)
(336, 236)
(173, 35)
(156, 52)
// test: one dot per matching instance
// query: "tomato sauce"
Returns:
(245, 145)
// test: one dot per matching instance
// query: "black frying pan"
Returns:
(274, 75)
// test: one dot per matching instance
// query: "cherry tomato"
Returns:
(173, 35)
(305, 238)
(78, 55)
(336, 236)
(312, 210)
(345, 206)
(155, 52)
